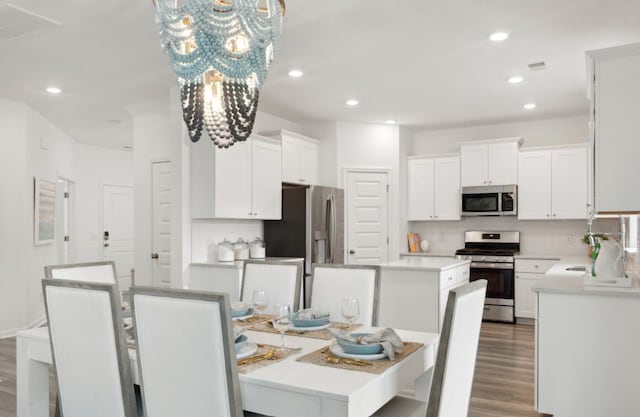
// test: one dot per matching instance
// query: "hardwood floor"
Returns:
(503, 383)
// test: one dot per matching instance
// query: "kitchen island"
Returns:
(587, 347)
(414, 291)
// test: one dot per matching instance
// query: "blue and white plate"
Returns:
(360, 349)
(337, 350)
(247, 314)
(309, 329)
(310, 322)
(248, 350)
(241, 342)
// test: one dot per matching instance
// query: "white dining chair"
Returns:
(455, 364)
(332, 282)
(89, 349)
(281, 280)
(186, 353)
(101, 272)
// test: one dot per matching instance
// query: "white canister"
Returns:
(241, 249)
(225, 251)
(257, 249)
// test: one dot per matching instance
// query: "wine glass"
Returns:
(282, 322)
(259, 300)
(350, 310)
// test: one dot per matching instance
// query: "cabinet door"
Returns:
(503, 163)
(420, 189)
(525, 298)
(617, 123)
(569, 183)
(309, 159)
(473, 160)
(291, 161)
(266, 180)
(534, 185)
(447, 198)
(232, 188)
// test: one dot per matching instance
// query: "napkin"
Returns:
(309, 314)
(388, 338)
(237, 332)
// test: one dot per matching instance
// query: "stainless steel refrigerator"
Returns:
(312, 227)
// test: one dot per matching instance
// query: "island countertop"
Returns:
(419, 263)
(577, 285)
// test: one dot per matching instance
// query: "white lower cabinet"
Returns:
(527, 273)
(413, 299)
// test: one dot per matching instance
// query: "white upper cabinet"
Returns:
(492, 162)
(433, 188)
(241, 182)
(299, 157)
(614, 96)
(553, 183)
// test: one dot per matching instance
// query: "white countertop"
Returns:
(240, 264)
(577, 285)
(429, 254)
(422, 263)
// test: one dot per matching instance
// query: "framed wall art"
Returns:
(44, 218)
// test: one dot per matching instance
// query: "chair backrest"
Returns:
(455, 365)
(281, 281)
(99, 272)
(89, 349)
(332, 282)
(186, 353)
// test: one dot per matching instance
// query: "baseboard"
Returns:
(12, 332)
(525, 321)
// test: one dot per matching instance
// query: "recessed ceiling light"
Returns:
(391, 122)
(53, 90)
(499, 36)
(530, 106)
(295, 73)
(352, 102)
(515, 80)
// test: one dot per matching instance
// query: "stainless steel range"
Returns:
(491, 255)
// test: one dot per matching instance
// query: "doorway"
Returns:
(367, 228)
(118, 231)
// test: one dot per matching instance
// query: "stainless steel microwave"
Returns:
(492, 200)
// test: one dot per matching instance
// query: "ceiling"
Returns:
(426, 64)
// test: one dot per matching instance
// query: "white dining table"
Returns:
(287, 388)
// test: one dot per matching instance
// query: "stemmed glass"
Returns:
(282, 322)
(350, 310)
(259, 300)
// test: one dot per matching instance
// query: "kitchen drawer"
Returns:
(535, 266)
(454, 276)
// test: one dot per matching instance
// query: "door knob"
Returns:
(106, 245)
(154, 256)
(352, 252)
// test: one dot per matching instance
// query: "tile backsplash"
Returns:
(558, 238)
(204, 232)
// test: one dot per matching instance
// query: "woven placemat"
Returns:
(252, 321)
(267, 327)
(262, 349)
(320, 357)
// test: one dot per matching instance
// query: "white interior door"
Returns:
(367, 217)
(161, 233)
(118, 230)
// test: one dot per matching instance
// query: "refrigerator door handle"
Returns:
(331, 228)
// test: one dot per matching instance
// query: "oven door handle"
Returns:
(491, 265)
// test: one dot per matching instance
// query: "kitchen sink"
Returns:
(576, 268)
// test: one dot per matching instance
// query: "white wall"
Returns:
(373, 146)
(33, 147)
(151, 142)
(406, 149)
(14, 216)
(559, 131)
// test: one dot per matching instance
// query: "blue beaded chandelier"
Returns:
(221, 51)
